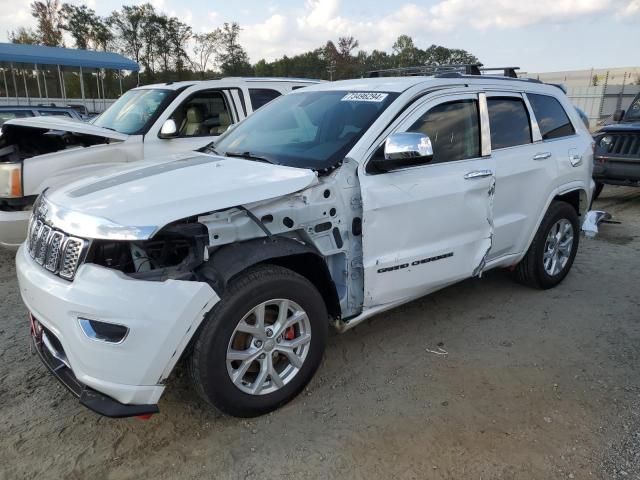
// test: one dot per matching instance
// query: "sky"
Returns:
(536, 35)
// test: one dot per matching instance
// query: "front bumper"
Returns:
(161, 317)
(13, 227)
(53, 357)
(617, 170)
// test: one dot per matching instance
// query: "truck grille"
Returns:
(625, 145)
(56, 251)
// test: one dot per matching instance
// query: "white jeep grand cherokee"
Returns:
(326, 206)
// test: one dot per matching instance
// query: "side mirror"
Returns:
(404, 149)
(618, 115)
(169, 129)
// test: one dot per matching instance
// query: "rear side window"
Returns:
(262, 96)
(552, 119)
(508, 122)
(11, 114)
(55, 113)
(453, 130)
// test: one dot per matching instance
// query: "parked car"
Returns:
(325, 207)
(617, 154)
(146, 122)
(10, 112)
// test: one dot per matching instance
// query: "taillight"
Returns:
(11, 180)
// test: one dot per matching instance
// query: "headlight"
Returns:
(10, 180)
(605, 142)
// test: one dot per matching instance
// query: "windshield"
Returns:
(634, 110)
(134, 111)
(306, 129)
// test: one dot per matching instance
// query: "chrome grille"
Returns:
(54, 250)
(71, 257)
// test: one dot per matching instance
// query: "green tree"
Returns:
(438, 55)
(49, 20)
(24, 35)
(405, 51)
(128, 24)
(87, 29)
(232, 57)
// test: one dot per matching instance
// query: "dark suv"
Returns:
(617, 154)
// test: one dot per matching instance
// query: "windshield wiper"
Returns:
(249, 156)
(208, 148)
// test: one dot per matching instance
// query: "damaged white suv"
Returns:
(325, 207)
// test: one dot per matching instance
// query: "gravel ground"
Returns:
(534, 385)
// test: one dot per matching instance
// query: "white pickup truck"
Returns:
(147, 122)
(325, 207)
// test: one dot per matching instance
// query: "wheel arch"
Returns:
(574, 194)
(232, 260)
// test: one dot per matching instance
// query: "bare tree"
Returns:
(206, 49)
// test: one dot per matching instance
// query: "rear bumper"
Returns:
(13, 228)
(161, 317)
(617, 171)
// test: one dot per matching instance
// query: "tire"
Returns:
(224, 333)
(596, 192)
(531, 270)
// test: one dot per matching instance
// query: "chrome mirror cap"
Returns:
(407, 145)
(169, 128)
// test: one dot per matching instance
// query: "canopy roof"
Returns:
(69, 57)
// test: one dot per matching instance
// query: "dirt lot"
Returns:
(535, 385)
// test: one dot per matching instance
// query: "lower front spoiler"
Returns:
(51, 354)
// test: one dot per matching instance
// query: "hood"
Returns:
(621, 127)
(67, 125)
(136, 202)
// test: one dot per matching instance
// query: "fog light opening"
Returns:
(103, 331)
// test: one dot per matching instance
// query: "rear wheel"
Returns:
(551, 254)
(261, 344)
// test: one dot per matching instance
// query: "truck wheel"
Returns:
(553, 249)
(596, 192)
(261, 344)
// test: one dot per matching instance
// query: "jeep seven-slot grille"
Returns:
(625, 145)
(54, 250)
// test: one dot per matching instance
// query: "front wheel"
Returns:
(261, 344)
(553, 249)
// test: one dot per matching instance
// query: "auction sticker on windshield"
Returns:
(375, 97)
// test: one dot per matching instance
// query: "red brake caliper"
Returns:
(290, 333)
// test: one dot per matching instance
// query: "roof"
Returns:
(231, 82)
(400, 84)
(68, 57)
(379, 84)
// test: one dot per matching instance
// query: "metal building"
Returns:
(598, 92)
(19, 64)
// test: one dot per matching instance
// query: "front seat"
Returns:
(192, 124)
(225, 121)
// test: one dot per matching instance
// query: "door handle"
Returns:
(477, 174)
(542, 156)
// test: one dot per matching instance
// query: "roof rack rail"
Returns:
(443, 70)
(426, 70)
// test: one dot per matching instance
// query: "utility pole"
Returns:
(331, 68)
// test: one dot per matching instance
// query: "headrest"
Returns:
(194, 114)
(224, 118)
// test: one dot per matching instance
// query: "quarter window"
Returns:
(508, 122)
(454, 131)
(262, 96)
(552, 119)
